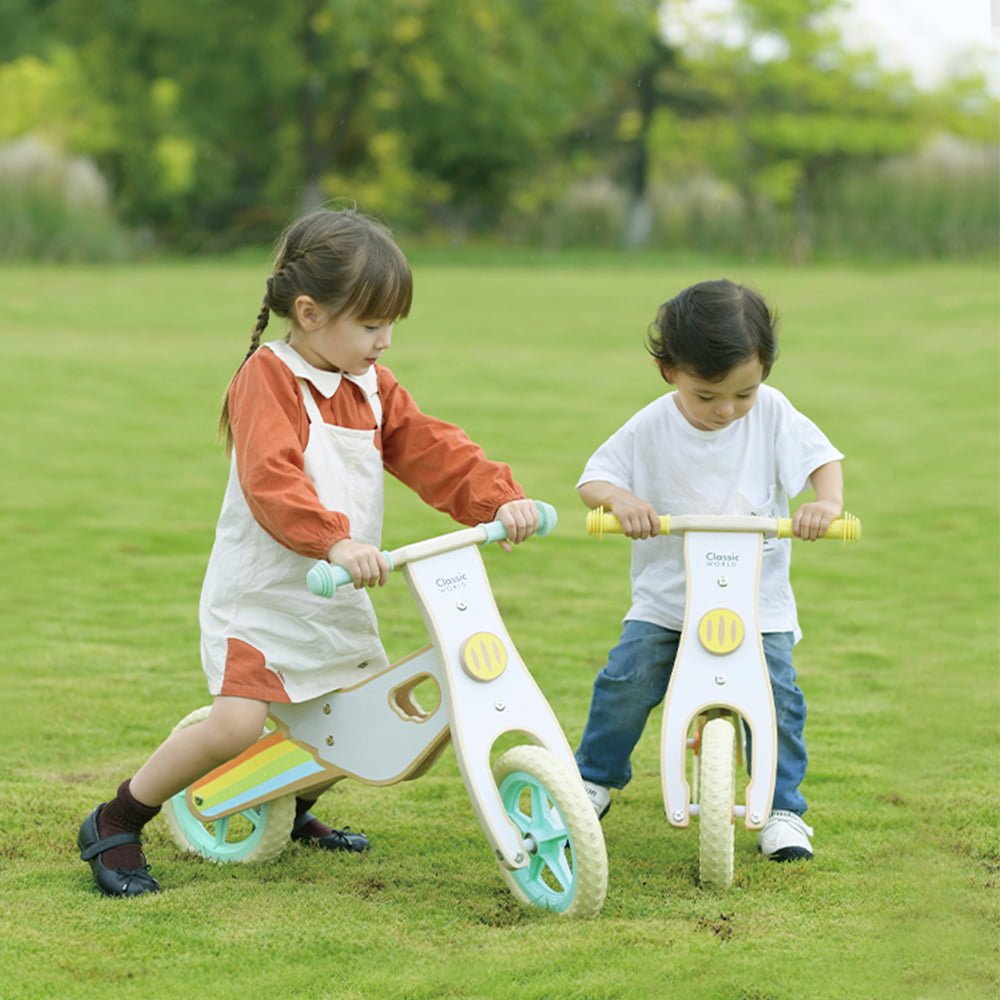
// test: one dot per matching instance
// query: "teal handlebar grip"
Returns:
(549, 517)
(324, 578)
(547, 520)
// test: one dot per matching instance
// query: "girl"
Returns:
(310, 422)
(721, 443)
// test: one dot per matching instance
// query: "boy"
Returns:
(721, 443)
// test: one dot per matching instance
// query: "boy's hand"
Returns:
(638, 518)
(365, 563)
(812, 519)
(520, 518)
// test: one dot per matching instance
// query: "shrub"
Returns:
(55, 207)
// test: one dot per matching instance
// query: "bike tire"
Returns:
(259, 833)
(567, 872)
(716, 831)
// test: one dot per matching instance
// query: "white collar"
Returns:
(325, 381)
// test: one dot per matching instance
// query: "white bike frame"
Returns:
(720, 664)
(377, 732)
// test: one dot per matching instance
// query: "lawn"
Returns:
(113, 477)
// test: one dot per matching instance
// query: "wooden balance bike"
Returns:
(719, 678)
(530, 803)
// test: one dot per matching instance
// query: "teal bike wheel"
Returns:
(259, 833)
(567, 870)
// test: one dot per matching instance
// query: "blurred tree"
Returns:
(22, 27)
(805, 106)
(214, 121)
(231, 115)
(486, 97)
(766, 96)
(199, 93)
(52, 98)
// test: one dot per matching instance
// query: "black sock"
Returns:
(313, 828)
(124, 814)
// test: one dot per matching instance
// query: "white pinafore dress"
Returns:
(255, 588)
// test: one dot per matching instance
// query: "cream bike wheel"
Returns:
(258, 833)
(567, 870)
(717, 788)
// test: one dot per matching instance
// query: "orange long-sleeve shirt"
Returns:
(270, 431)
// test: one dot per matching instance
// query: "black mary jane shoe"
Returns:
(335, 840)
(112, 881)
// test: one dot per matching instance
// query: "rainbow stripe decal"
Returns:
(274, 761)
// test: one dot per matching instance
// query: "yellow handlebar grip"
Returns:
(596, 522)
(847, 528)
(601, 523)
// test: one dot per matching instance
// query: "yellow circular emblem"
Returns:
(483, 656)
(721, 631)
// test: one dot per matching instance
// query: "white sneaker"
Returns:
(785, 837)
(600, 798)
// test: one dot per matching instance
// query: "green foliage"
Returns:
(912, 211)
(215, 122)
(37, 223)
(54, 207)
(798, 106)
(901, 209)
(420, 106)
(109, 517)
(54, 98)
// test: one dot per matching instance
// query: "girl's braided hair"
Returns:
(345, 261)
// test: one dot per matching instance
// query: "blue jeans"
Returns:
(634, 681)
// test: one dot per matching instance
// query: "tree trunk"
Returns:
(803, 239)
(311, 193)
(639, 213)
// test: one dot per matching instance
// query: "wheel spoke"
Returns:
(557, 864)
(221, 830)
(546, 823)
(551, 838)
(539, 804)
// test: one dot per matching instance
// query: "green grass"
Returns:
(110, 383)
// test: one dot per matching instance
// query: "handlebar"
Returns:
(846, 528)
(324, 578)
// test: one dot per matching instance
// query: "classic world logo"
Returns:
(722, 560)
(446, 584)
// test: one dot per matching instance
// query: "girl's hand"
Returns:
(812, 519)
(520, 518)
(365, 563)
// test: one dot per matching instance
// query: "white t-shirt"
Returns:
(753, 466)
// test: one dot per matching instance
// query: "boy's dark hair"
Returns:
(710, 328)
